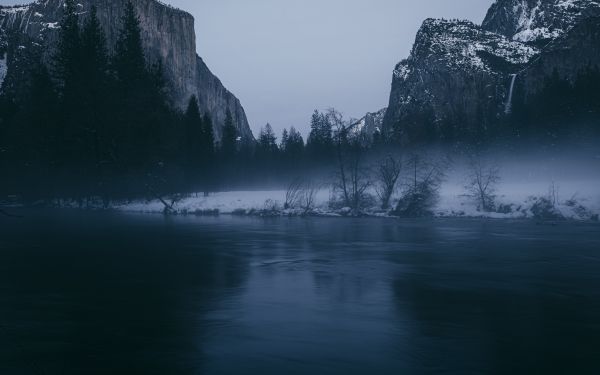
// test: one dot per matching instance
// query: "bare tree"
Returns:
(481, 186)
(353, 178)
(293, 194)
(387, 174)
(308, 197)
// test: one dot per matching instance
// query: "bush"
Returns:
(418, 201)
(421, 195)
(544, 209)
(504, 208)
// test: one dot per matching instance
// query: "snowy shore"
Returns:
(452, 203)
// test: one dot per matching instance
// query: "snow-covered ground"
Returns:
(571, 201)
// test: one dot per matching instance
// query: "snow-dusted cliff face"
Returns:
(537, 20)
(369, 125)
(168, 37)
(459, 74)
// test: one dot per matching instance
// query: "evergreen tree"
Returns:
(94, 50)
(129, 62)
(96, 89)
(73, 154)
(284, 140)
(229, 137)
(294, 147)
(208, 149)
(193, 137)
(267, 143)
(141, 108)
(320, 140)
(69, 45)
(208, 137)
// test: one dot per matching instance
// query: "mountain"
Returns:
(460, 77)
(31, 31)
(537, 20)
(369, 125)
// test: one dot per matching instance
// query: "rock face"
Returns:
(168, 37)
(459, 75)
(369, 125)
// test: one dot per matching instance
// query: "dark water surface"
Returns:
(107, 293)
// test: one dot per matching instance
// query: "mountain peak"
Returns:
(537, 21)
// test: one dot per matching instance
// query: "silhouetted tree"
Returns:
(229, 137)
(320, 139)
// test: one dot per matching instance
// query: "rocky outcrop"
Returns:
(459, 76)
(369, 125)
(168, 37)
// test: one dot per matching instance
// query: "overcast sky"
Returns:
(285, 58)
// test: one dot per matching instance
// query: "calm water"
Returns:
(106, 293)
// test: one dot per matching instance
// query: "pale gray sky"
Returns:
(285, 58)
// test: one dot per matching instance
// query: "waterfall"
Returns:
(508, 106)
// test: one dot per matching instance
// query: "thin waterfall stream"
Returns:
(508, 107)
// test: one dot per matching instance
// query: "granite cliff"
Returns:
(168, 38)
(460, 77)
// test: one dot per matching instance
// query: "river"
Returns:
(114, 293)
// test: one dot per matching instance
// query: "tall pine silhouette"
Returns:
(229, 137)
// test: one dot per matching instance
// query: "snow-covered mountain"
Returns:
(537, 20)
(459, 75)
(31, 31)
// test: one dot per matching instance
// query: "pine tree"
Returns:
(69, 45)
(284, 141)
(96, 88)
(141, 110)
(129, 62)
(320, 139)
(193, 130)
(94, 50)
(267, 142)
(73, 155)
(295, 144)
(209, 167)
(208, 137)
(194, 142)
(229, 137)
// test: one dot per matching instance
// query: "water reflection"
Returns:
(99, 293)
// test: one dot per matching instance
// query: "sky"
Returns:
(285, 58)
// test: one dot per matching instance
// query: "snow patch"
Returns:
(14, 10)
(402, 72)
(51, 25)
(530, 35)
